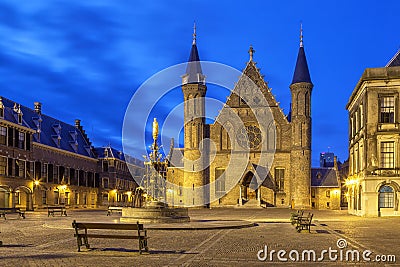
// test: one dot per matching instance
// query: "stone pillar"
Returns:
(240, 195)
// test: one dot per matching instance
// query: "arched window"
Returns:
(386, 197)
(271, 137)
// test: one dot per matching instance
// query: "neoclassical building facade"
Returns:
(374, 142)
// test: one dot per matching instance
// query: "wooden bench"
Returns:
(137, 231)
(4, 211)
(52, 209)
(113, 209)
(295, 216)
(304, 223)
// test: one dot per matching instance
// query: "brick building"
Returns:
(44, 161)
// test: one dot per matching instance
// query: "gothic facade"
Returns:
(256, 155)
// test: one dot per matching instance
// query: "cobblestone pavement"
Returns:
(39, 240)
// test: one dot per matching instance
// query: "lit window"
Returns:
(387, 109)
(3, 165)
(219, 181)
(3, 135)
(387, 155)
(328, 193)
(386, 197)
(21, 140)
(180, 190)
(105, 183)
(280, 179)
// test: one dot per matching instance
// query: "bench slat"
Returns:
(116, 236)
(111, 226)
(82, 235)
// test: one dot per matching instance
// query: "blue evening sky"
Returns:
(85, 59)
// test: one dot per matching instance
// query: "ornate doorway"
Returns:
(248, 187)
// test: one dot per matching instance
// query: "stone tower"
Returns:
(301, 88)
(194, 90)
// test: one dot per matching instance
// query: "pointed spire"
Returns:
(251, 52)
(301, 72)
(194, 33)
(194, 73)
(301, 34)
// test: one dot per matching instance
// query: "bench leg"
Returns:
(85, 239)
(79, 241)
(143, 245)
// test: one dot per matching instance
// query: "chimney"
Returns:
(335, 166)
(38, 107)
(77, 123)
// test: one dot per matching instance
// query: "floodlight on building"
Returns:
(36, 182)
(350, 182)
(336, 192)
(62, 187)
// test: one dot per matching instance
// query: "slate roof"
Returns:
(263, 174)
(177, 158)
(395, 61)
(109, 152)
(324, 177)
(193, 68)
(51, 129)
(301, 72)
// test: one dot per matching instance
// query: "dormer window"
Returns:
(1, 108)
(19, 112)
(106, 153)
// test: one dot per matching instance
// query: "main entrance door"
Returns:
(248, 187)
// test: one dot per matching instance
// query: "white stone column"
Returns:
(259, 195)
(240, 195)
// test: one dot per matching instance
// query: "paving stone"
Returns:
(48, 241)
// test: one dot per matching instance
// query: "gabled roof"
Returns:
(263, 173)
(395, 61)
(53, 132)
(176, 159)
(243, 90)
(324, 177)
(301, 72)
(109, 152)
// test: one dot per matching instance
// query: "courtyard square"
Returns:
(40, 240)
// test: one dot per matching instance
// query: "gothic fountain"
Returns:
(149, 204)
